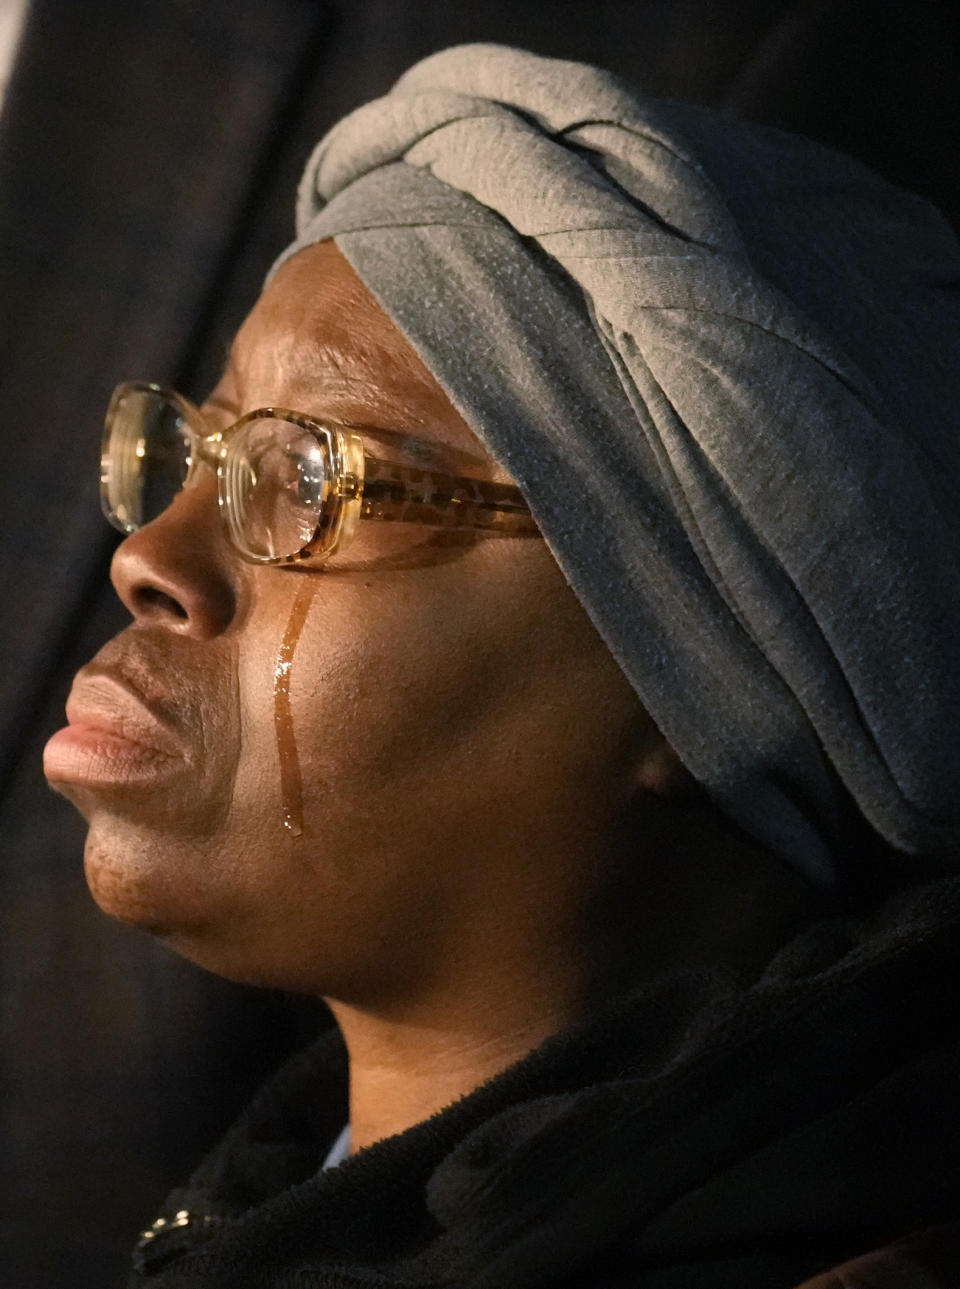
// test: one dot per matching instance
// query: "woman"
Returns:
(542, 652)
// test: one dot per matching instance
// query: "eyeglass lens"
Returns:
(149, 456)
(273, 473)
(274, 477)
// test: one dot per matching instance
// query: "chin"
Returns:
(121, 892)
(156, 884)
(212, 903)
(133, 884)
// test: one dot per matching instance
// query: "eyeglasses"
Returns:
(290, 487)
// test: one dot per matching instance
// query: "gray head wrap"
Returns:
(724, 365)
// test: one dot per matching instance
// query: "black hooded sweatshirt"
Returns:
(696, 1134)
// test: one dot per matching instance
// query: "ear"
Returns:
(661, 772)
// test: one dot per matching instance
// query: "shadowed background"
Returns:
(149, 151)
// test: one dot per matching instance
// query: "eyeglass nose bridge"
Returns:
(205, 449)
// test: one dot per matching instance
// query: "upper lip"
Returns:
(105, 698)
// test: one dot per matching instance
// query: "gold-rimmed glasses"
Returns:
(291, 487)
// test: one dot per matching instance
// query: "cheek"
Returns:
(388, 683)
(383, 678)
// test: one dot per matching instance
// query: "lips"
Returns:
(115, 734)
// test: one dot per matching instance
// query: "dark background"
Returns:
(149, 152)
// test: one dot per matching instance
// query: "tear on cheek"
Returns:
(291, 786)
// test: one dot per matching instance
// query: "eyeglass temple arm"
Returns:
(404, 494)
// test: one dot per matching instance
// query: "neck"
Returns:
(402, 1073)
(507, 984)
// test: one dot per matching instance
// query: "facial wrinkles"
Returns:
(291, 353)
(329, 370)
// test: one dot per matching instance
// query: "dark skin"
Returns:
(496, 835)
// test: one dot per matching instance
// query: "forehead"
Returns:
(318, 341)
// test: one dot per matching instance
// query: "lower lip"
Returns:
(87, 754)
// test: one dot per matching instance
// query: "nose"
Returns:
(178, 571)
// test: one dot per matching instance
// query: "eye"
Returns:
(275, 484)
(298, 477)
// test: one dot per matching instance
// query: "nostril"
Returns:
(175, 573)
(151, 602)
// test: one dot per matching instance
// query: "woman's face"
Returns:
(451, 711)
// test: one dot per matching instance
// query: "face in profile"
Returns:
(442, 696)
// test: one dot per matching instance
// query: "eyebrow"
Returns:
(421, 451)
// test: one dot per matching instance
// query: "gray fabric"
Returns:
(723, 364)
